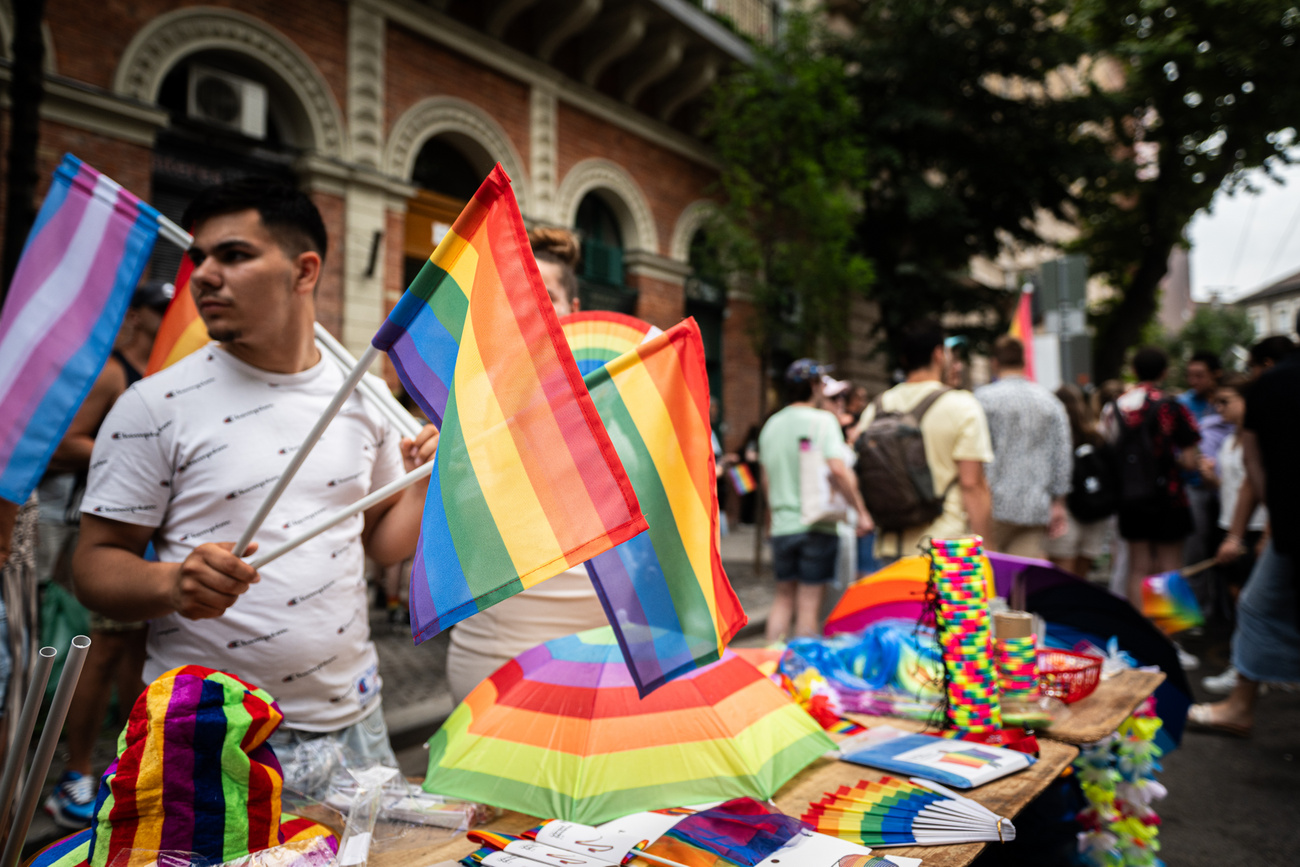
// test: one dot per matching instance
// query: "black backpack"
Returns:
(893, 474)
(1094, 484)
(1142, 476)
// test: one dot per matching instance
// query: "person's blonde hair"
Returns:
(559, 247)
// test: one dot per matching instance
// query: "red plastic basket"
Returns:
(1066, 675)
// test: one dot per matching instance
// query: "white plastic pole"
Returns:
(360, 505)
(313, 436)
(26, 725)
(45, 750)
(371, 387)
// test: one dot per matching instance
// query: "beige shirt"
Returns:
(954, 430)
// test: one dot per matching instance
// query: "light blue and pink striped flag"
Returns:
(70, 291)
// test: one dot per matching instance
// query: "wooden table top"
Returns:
(1088, 720)
(1096, 716)
(1006, 797)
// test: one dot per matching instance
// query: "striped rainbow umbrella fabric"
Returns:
(526, 482)
(560, 732)
(83, 258)
(598, 337)
(665, 591)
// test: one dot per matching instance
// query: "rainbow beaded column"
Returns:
(965, 634)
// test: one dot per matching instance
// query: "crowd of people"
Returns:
(1115, 485)
(156, 472)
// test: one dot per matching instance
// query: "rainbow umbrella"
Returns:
(600, 336)
(898, 590)
(559, 732)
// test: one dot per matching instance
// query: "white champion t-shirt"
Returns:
(192, 451)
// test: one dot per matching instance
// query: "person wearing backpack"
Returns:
(1155, 439)
(922, 447)
(801, 450)
(1094, 490)
(1030, 473)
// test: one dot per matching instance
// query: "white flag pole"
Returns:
(361, 505)
(313, 436)
(372, 388)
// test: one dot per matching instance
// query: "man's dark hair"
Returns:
(1150, 363)
(287, 213)
(917, 342)
(1271, 349)
(1209, 359)
(798, 392)
(1009, 352)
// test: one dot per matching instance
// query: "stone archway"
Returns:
(619, 191)
(167, 39)
(475, 132)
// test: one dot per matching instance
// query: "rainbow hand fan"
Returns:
(1169, 601)
(894, 812)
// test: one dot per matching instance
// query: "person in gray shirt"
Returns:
(1030, 473)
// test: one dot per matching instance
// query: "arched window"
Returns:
(601, 282)
(446, 179)
(706, 300)
(230, 117)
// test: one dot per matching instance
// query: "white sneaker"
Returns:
(1222, 683)
(1187, 660)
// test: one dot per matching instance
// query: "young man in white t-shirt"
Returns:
(186, 456)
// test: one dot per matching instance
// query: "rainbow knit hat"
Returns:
(193, 774)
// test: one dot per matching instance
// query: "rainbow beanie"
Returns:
(193, 774)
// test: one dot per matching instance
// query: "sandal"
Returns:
(1200, 717)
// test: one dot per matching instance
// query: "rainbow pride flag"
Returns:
(181, 331)
(72, 286)
(665, 591)
(526, 482)
(1022, 329)
(742, 479)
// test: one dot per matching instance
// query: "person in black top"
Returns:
(1266, 643)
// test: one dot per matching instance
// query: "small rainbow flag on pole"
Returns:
(71, 288)
(526, 482)
(181, 331)
(742, 479)
(665, 591)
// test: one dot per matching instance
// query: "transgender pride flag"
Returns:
(70, 291)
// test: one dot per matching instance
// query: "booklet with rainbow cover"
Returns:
(960, 764)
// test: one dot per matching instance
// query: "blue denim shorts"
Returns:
(1266, 643)
(808, 558)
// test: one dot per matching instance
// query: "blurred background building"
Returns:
(390, 112)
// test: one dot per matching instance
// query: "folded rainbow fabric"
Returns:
(193, 774)
(526, 483)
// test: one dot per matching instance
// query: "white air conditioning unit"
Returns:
(226, 100)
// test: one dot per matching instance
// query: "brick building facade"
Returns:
(386, 110)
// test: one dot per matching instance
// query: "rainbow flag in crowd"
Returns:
(72, 287)
(1022, 329)
(742, 479)
(526, 482)
(181, 331)
(664, 591)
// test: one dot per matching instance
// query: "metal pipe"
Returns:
(45, 750)
(26, 725)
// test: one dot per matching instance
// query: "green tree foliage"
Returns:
(784, 130)
(1217, 329)
(969, 138)
(1204, 87)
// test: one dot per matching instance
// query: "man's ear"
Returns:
(307, 266)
